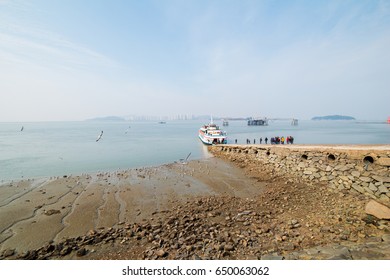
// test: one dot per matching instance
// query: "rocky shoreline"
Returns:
(364, 169)
(287, 218)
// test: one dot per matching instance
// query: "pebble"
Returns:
(161, 253)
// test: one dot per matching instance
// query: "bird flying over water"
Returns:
(100, 136)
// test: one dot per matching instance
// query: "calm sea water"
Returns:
(58, 148)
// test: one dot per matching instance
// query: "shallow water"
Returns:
(58, 148)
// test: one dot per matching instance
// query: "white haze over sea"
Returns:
(73, 60)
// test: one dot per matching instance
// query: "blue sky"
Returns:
(73, 60)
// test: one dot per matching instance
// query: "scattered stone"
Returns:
(355, 173)
(229, 247)
(161, 253)
(81, 252)
(51, 212)
(272, 257)
(342, 254)
(386, 238)
(8, 253)
(381, 178)
(244, 213)
(358, 188)
(383, 189)
(65, 251)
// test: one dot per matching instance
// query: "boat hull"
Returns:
(212, 140)
(205, 141)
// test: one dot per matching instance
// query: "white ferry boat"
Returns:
(210, 134)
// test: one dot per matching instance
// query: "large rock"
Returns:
(383, 189)
(382, 179)
(355, 173)
(378, 210)
(358, 188)
(312, 169)
(341, 168)
(366, 179)
(383, 161)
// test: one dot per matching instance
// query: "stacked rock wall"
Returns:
(361, 170)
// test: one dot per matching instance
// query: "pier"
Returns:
(258, 121)
(264, 121)
(363, 169)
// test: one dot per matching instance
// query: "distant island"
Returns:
(108, 119)
(333, 118)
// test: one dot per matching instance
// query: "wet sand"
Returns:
(37, 212)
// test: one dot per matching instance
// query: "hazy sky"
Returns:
(73, 60)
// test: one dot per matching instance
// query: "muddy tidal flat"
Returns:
(206, 209)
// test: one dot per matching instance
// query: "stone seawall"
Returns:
(357, 168)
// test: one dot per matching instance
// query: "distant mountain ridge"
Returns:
(333, 118)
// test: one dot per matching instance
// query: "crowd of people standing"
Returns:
(281, 140)
(273, 140)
